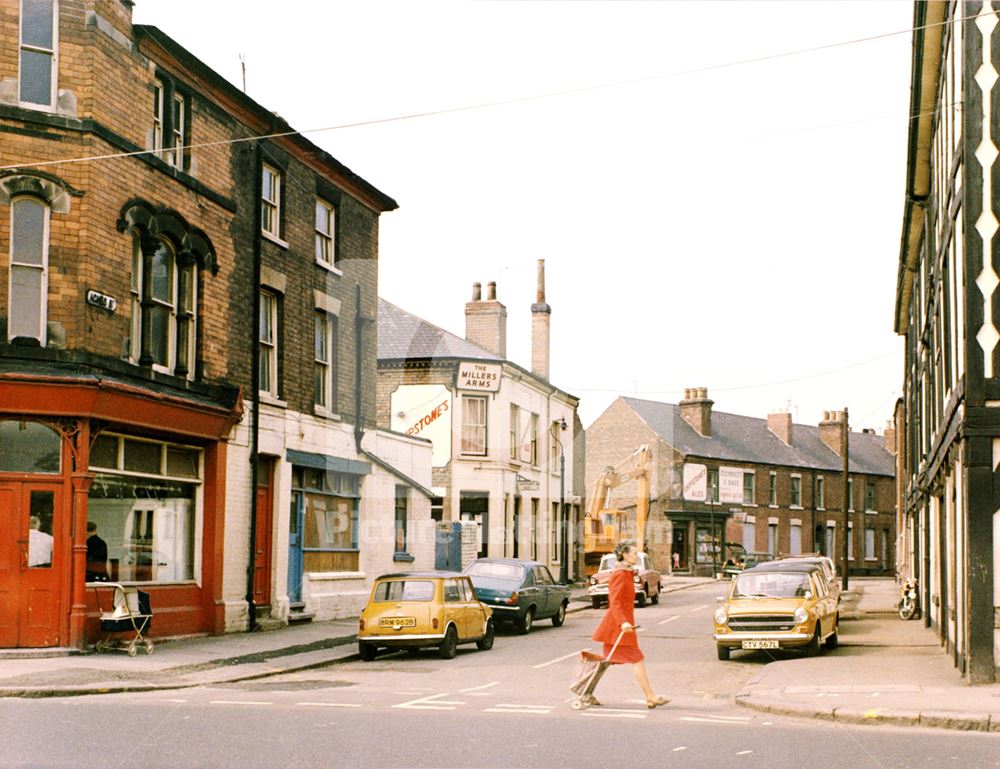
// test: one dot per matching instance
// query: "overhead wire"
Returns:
(513, 100)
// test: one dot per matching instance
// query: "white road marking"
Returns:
(679, 749)
(239, 702)
(744, 753)
(553, 662)
(699, 608)
(430, 703)
(538, 710)
(477, 688)
(668, 619)
(328, 704)
(710, 720)
(622, 714)
(733, 718)
(519, 705)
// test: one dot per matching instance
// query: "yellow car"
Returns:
(777, 605)
(411, 610)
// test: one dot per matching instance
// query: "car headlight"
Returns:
(636, 579)
(800, 616)
(721, 615)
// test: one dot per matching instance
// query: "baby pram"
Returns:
(589, 672)
(130, 614)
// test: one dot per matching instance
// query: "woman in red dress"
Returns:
(620, 616)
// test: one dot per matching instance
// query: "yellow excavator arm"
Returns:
(612, 477)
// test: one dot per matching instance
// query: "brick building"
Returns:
(946, 301)
(764, 484)
(141, 234)
(505, 439)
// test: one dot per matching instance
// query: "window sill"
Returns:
(748, 504)
(404, 557)
(773, 507)
(871, 512)
(330, 268)
(274, 239)
(326, 413)
(796, 507)
(272, 400)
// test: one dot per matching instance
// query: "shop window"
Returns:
(39, 27)
(147, 518)
(29, 261)
(329, 508)
(28, 447)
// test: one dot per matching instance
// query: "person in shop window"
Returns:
(97, 555)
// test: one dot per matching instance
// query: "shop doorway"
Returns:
(680, 549)
(34, 563)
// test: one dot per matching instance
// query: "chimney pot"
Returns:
(491, 291)
(486, 322)
(477, 292)
(696, 410)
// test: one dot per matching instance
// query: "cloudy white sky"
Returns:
(716, 187)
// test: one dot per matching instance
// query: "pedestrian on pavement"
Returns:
(97, 555)
(620, 619)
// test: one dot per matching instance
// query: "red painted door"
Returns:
(262, 533)
(33, 564)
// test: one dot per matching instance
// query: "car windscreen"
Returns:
(508, 571)
(405, 590)
(607, 562)
(771, 584)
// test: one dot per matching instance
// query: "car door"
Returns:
(529, 593)
(455, 606)
(474, 612)
(545, 583)
(824, 602)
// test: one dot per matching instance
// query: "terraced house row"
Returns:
(187, 346)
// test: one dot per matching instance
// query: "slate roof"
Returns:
(402, 336)
(738, 438)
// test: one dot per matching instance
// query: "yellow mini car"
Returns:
(411, 610)
(777, 605)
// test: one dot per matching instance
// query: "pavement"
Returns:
(886, 671)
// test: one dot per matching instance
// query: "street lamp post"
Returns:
(557, 426)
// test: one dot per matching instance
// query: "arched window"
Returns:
(164, 287)
(29, 261)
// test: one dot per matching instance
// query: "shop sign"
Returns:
(424, 411)
(484, 377)
(730, 484)
(695, 482)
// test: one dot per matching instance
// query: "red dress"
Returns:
(621, 600)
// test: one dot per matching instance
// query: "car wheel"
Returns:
(367, 651)
(907, 608)
(832, 641)
(813, 648)
(656, 598)
(595, 603)
(560, 616)
(524, 626)
(640, 600)
(449, 646)
(722, 651)
(485, 643)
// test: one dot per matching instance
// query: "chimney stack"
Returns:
(696, 409)
(486, 320)
(889, 437)
(829, 430)
(540, 320)
(780, 423)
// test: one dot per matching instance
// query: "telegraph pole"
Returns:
(847, 502)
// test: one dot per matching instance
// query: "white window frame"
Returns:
(820, 492)
(850, 495)
(17, 267)
(52, 52)
(772, 489)
(515, 431)
(270, 207)
(795, 539)
(534, 439)
(175, 155)
(326, 234)
(267, 343)
(468, 427)
(795, 480)
(752, 490)
(323, 352)
(870, 543)
(772, 538)
(158, 121)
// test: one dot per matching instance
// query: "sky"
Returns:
(716, 187)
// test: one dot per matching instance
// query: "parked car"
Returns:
(780, 605)
(825, 563)
(412, 610)
(756, 558)
(519, 591)
(646, 578)
(735, 561)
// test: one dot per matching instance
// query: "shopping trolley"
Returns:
(131, 616)
(589, 671)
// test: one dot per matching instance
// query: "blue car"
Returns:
(519, 591)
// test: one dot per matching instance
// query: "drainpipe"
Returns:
(254, 388)
(359, 431)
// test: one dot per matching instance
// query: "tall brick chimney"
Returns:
(829, 430)
(780, 423)
(889, 437)
(696, 409)
(540, 318)
(486, 320)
